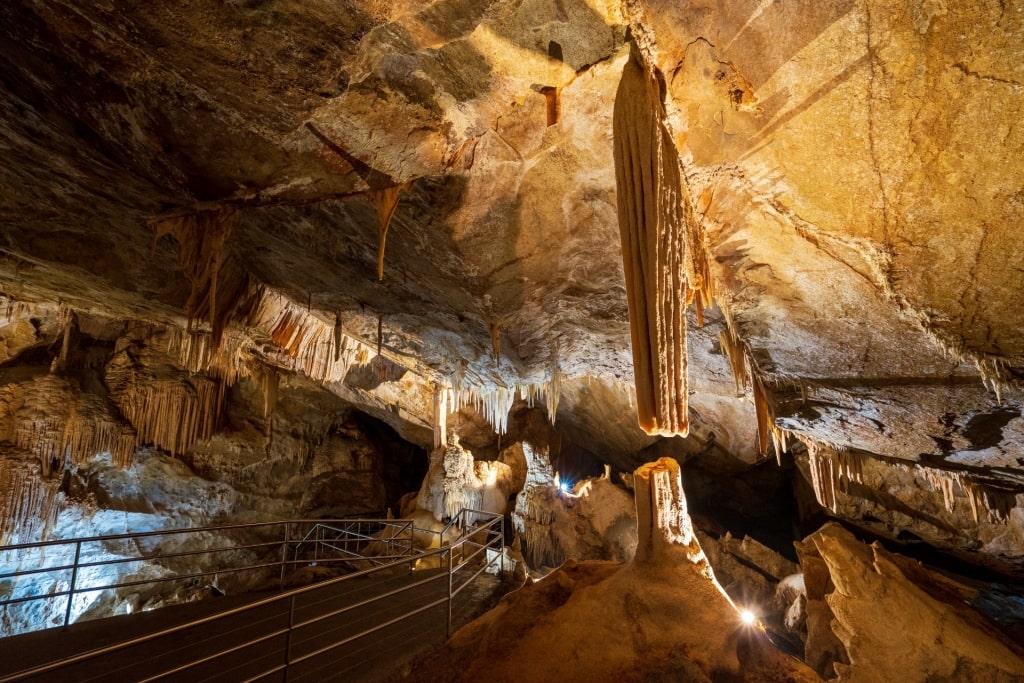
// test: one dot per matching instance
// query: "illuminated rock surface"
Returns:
(661, 617)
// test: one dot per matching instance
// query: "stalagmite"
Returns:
(652, 224)
(664, 528)
(535, 510)
(441, 405)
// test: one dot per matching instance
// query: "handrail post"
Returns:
(288, 639)
(284, 552)
(450, 556)
(74, 580)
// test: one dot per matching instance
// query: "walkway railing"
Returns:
(351, 539)
(69, 570)
(296, 634)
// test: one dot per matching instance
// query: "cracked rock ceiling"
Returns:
(856, 168)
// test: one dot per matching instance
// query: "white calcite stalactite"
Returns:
(823, 478)
(29, 501)
(553, 391)
(945, 482)
(547, 392)
(197, 353)
(173, 415)
(493, 403)
(832, 471)
(652, 223)
(995, 505)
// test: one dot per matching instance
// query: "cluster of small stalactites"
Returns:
(29, 502)
(196, 352)
(833, 470)
(173, 415)
(309, 345)
(995, 504)
(493, 402)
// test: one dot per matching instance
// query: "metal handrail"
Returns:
(73, 584)
(494, 540)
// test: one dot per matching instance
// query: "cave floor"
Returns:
(373, 657)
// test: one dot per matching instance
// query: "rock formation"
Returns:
(291, 246)
(660, 617)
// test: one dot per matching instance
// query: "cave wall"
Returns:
(839, 157)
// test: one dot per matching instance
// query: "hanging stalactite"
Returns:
(652, 223)
(173, 415)
(202, 239)
(378, 362)
(386, 201)
(29, 501)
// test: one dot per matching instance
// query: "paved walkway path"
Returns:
(369, 658)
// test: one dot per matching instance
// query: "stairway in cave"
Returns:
(372, 657)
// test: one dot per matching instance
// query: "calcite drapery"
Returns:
(652, 222)
(202, 238)
(29, 501)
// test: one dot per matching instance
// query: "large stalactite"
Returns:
(652, 223)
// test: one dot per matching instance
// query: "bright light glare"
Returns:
(747, 617)
(563, 487)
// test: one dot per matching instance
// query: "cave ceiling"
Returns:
(856, 170)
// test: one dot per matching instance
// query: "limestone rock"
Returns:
(870, 596)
